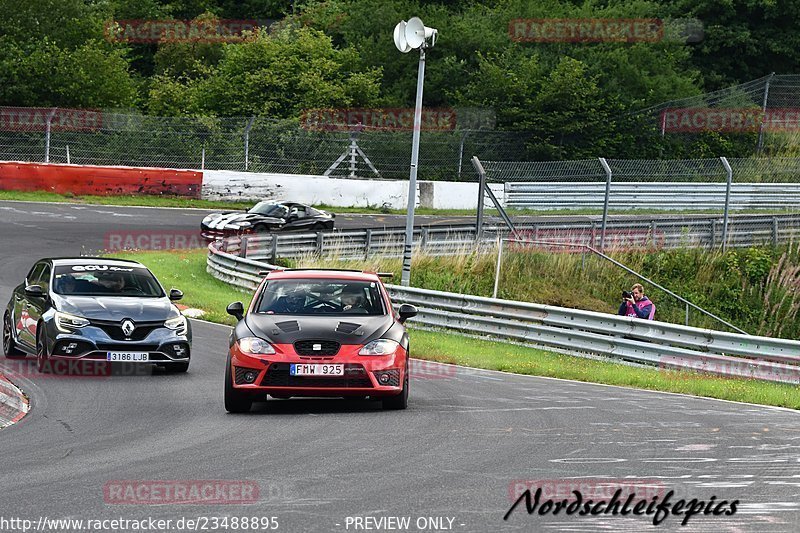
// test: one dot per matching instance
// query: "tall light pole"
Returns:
(409, 36)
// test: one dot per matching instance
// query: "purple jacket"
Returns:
(644, 308)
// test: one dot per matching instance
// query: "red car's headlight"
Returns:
(379, 347)
(255, 346)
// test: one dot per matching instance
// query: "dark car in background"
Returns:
(96, 309)
(323, 333)
(266, 217)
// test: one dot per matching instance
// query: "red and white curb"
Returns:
(13, 403)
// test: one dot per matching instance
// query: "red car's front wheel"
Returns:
(399, 401)
(235, 400)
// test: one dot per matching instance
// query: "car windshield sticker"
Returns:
(88, 268)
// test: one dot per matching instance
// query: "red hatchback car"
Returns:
(331, 333)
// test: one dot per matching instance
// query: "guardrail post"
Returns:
(319, 243)
(367, 243)
(424, 238)
(729, 170)
(713, 234)
(274, 249)
(775, 231)
(653, 234)
(687, 314)
(243, 247)
(605, 203)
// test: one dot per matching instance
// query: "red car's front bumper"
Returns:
(362, 374)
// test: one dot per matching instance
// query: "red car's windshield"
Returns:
(321, 296)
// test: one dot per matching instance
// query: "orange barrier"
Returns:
(102, 181)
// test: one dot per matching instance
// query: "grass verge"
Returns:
(187, 270)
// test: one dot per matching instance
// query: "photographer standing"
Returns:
(636, 304)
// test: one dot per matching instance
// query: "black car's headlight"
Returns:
(67, 323)
(178, 324)
(255, 346)
(379, 347)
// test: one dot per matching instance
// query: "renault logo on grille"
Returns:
(128, 327)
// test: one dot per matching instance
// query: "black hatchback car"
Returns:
(266, 217)
(96, 309)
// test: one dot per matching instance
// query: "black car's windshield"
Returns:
(321, 297)
(105, 280)
(269, 209)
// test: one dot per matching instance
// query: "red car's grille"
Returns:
(319, 348)
(354, 377)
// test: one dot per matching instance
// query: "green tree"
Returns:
(277, 75)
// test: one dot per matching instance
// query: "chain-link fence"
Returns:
(757, 117)
(255, 144)
(760, 117)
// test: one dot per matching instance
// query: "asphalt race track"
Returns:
(467, 438)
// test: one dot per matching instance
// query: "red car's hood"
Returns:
(344, 329)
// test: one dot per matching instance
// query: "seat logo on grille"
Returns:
(128, 327)
(316, 347)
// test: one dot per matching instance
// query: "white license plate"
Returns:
(130, 357)
(316, 370)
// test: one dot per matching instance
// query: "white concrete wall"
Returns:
(459, 195)
(340, 192)
(230, 185)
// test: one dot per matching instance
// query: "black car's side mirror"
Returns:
(236, 309)
(175, 295)
(34, 291)
(407, 311)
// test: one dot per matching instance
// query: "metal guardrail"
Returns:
(697, 231)
(666, 345)
(651, 195)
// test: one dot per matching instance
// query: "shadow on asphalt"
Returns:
(297, 406)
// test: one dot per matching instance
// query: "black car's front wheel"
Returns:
(42, 359)
(235, 400)
(10, 349)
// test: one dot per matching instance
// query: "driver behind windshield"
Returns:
(292, 303)
(112, 282)
(353, 301)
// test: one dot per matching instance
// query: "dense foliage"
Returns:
(572, 99)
